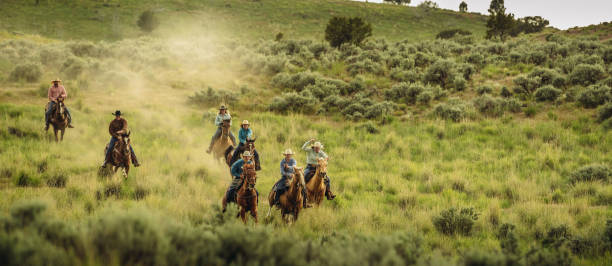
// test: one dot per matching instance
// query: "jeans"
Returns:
(50, 109)
(111, 145)
(218, 134)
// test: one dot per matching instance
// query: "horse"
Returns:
(291, 200)
(222, 142)
(248, 146)
(246, 197)
(58, 118)
(121, 155)
(316, 187)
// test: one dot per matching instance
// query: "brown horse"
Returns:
(316, 187)
(248, 146)
(58, 118)
(121, 155)
(246, 197)
(291, 200)
(222, 142)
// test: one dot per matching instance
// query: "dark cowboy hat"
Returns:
(222, 107)
(117, 113)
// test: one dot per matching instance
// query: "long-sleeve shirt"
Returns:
(312, 156)
(220, 117)
(287, 171)
(56, 92)
(243, 134)
(117, 125)
(236, 169)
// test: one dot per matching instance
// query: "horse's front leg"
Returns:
(62, 138)
(254, 211)
(243, 215)
(55, 132)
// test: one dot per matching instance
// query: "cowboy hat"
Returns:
(245, 122)
(222, 107)
(288, 151)
(117, 113)
(247, 153)
(317, 144)
(57, 79)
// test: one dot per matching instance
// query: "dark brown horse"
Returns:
(316, 186)
(291, 200)
(121, 155)
(58, 118)
(246, 197)
(248, 146)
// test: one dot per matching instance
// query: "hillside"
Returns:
(443, 152)
(113, 20)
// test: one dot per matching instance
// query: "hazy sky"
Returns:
(562, 14)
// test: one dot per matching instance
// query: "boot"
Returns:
(69, 126)
(135, 161)
(209, 150)
(305, 204)
(329, 194)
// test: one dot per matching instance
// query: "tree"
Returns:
(341, 30)
(398, 2)
(148, 21)
(499, 24)
(531, 24)
(429, 4)
(463, 6)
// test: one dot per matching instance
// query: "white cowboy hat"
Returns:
(245, 122)
(318, 144)
(246, 153)
(288, 151)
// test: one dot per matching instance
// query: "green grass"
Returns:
(112, 20)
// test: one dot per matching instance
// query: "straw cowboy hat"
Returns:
(245, 122)
(288, 151)
(57, 79)
(317, 144)
(246, 153)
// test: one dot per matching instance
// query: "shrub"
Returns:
(213, 97)
(513, 105)
(28, 212)
(448, 34)
(25, 179)
(58, 180)
(453, 110)
(342, 30)
(549, 257)
(508, 239)
(379, 110)
(505, 93)
(451, 221)
(441, 72)
(297, 81)
(459, 83)
(425, 97)
(547, 93)
(485, 89)
(73, 66)
(489, 106)
(368, 127)
(364, 66)
(467, 70)
(584, 74)
(147, 21)
(29, 72)
(604, 112)
(293, 102)
(404, 92)
(593, 172)
(594, 96)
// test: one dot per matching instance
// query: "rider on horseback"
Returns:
(56, 91)
(222, 115)
(245, 134)
(287, 172)
(117, 127)
(314, 152)
(236, 171)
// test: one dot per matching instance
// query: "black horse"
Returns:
(233, 154)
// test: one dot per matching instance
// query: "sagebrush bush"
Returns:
(453, 221)
(459, 83)
(58, 180)
(594, 95)
(489, 106)
(508, 239)
(547, 93)
(454, 110)
(604, 112)
(212, 97)
(297, 81)
(441, 72)
(593, 172)
(148, 21)
(29, 72)
(484, 89)
(404, 92)
(302, 102)
(584, 74)
(505, 93)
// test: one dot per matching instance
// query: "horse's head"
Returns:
(225, 127)
(322, 165)
(250, 143)
(125, 142)
(299, 174)
(249, 175)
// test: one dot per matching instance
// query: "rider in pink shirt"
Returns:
(56, 91)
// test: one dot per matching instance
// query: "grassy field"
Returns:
(113, 20)
(536, 172)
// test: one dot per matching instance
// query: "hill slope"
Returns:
(235, 18)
